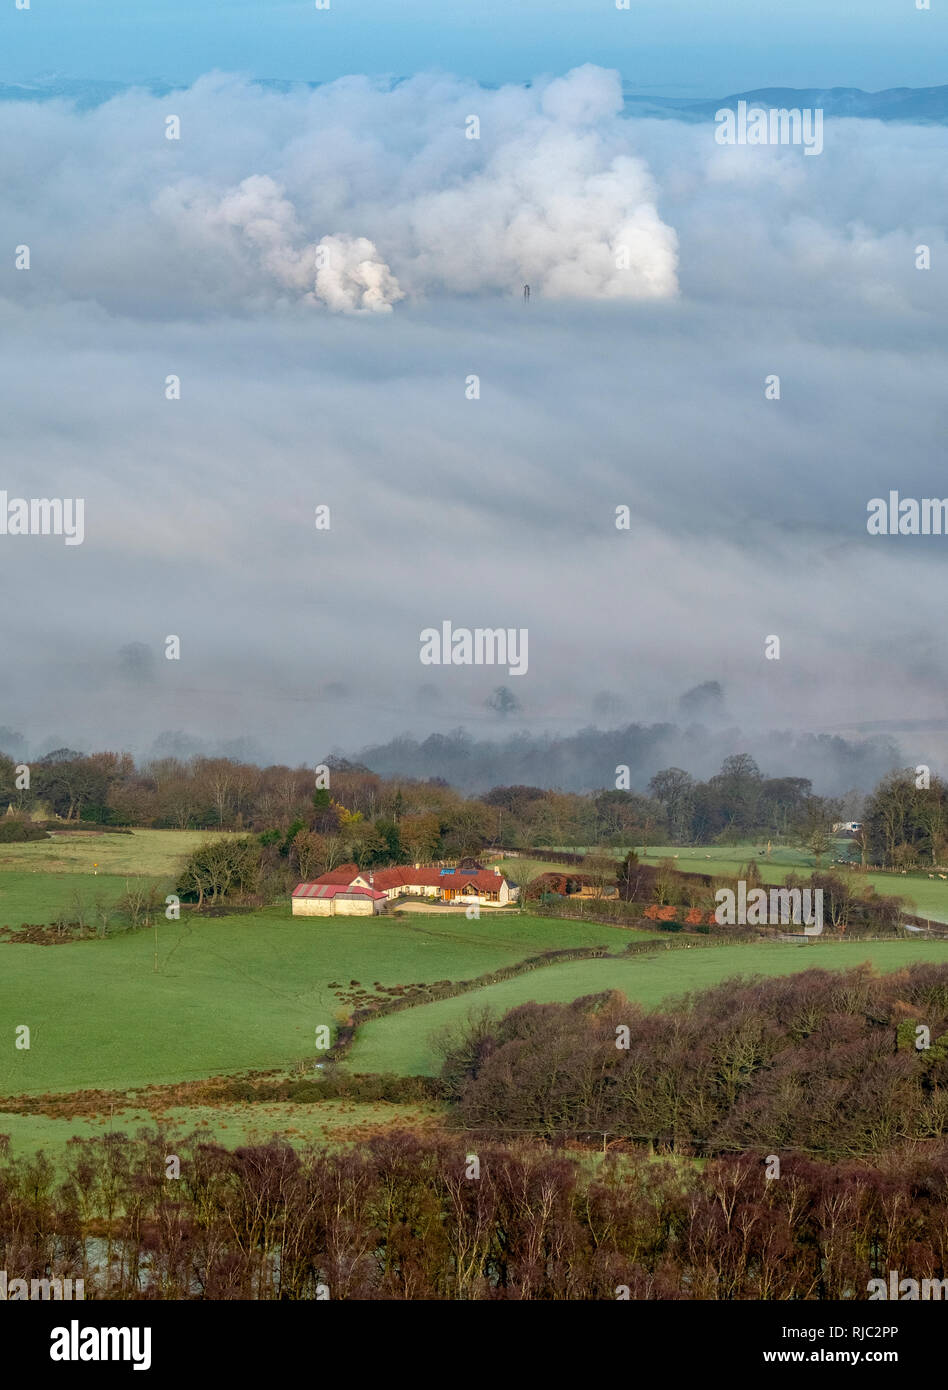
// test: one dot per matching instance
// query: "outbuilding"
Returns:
(336, 900)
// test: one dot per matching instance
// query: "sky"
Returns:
(314, 299)
(671, 46)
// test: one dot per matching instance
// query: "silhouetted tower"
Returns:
(526, 294)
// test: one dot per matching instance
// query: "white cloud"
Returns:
(382, 180)
(341, 272)
(560, 191)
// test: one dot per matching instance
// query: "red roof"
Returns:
(404, 876)
(398, 876)
(344, 874)
(334, 890)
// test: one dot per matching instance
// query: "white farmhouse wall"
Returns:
(312, 907)
(355, 907)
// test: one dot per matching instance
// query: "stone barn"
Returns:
(336, 900)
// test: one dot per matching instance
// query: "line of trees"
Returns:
(399, 817)
(740, 803)
(404, 1217)
(373, 821)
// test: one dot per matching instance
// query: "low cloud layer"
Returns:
(324, 271)
(351, 197)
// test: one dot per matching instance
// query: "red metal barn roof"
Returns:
(333, 890)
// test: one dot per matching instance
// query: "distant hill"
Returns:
(86, 93)
(919, 105)
(83, 94)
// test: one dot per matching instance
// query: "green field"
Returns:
(39, 898)
(402, 1042)
(330, 1122)
(231, 993)
(76, 869)
(152, 853)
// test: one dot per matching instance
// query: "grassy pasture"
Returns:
(45, 877)
(231, 993)
(331, 1122)
(38, 898)
(152, 853)
(402, 1042)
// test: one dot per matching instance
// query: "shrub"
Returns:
(14, 831)
(220, 869)
(824, 1059)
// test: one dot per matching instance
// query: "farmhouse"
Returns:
(483, 886)
(334, 899)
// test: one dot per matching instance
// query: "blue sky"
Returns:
(705, 47)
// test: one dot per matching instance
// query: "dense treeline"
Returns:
(409, 1218)
(388, 820)
(819, 1061)
(354, 814)
(588, 758)
(906, 824)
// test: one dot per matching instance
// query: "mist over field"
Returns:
(324, 270)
